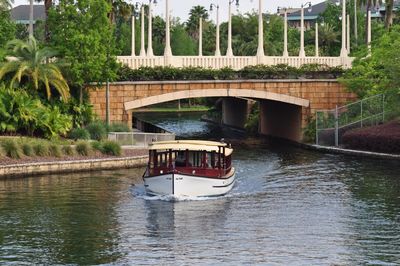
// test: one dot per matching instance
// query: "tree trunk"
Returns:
(389, 14)
(30, 18)
(47, 5)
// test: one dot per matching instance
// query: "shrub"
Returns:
(97, 130)
(27, 149)
(97, 145)
(111, 148)
(67, 150)
(55, 150)
(83, 148)
(79, 133)
(41, 148)
(11, 148)
(119, 127)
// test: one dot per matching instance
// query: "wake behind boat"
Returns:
(189, 168)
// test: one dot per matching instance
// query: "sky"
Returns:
(180, 8)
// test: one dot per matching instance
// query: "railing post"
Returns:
(383, 108)
(316, 127)
(362, 113)
(336, 127)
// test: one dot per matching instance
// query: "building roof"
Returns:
(20, 14)
(316, 10)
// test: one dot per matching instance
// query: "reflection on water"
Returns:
(288, 207)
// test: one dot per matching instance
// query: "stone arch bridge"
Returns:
(285, 105)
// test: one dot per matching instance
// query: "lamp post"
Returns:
(167, 50)
(369, 31)
(348, 34)
(316, 40)
(302, 52)
(343, 51)
(217, 49)
(200, 36)
(149, 37)
(229, 51)
(142, 49)
(133, 34)
(260, 49)
(285, 43)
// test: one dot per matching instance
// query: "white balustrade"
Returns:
(235, 62)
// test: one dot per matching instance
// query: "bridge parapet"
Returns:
(235, 62)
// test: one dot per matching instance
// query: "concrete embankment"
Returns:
(37, 168)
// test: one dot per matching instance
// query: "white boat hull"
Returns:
(181, 185)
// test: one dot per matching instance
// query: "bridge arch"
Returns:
(200, 93)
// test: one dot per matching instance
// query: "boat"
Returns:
(189, 168)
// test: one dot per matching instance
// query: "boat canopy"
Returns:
(191, 145)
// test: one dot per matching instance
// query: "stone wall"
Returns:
(321, 94)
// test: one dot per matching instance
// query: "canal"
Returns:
(289, 207)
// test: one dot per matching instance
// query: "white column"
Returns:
(200, 36)
(30, 28)
(302, 53)
(343, 51)
(229, 51)
(142, 49)
(133, 37)
(285, 45)
(348, 35)
(149, 37)
(260, 49)
(369, 32)
(217, 50)
(167, 50)
(316, 41)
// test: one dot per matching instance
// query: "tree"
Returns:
(5, 5)
(328, 39)
(29, 61)
(82, 32)
(7, 28)
(389, 13)
(192, 24)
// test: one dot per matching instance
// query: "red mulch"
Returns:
(97, 155)
(382, 138)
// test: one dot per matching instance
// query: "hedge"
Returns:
(382, 138)
(281, 71)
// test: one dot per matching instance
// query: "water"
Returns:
(289, 207)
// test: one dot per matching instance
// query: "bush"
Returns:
(97, 145)
(111, 148)
(382, 138)
(41, 148)
(27, 149)
(119, 127)
(79, 133)
(11, 148)
(97, 130)
(67, 150)
(83, 148)
(55, 150)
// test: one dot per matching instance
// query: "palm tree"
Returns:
(27, 60)
(192, 24)
(5, 5)
(389, 13)
(327, 37)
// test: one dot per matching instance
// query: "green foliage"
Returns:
(79, 134)
(83, 148)
(118, 127)
(55, 150)
(252, 123)
(31, 67)
(82, 33)
(7, 28)
(11, 148)
(97, 130)
(41, 148)
(27, 149)
(67, 150)
(111, 148)
(97, 146)
(280, 71)
(309, 131)
(379, 72)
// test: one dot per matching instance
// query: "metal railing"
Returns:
(332, 124)
(139, 139)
